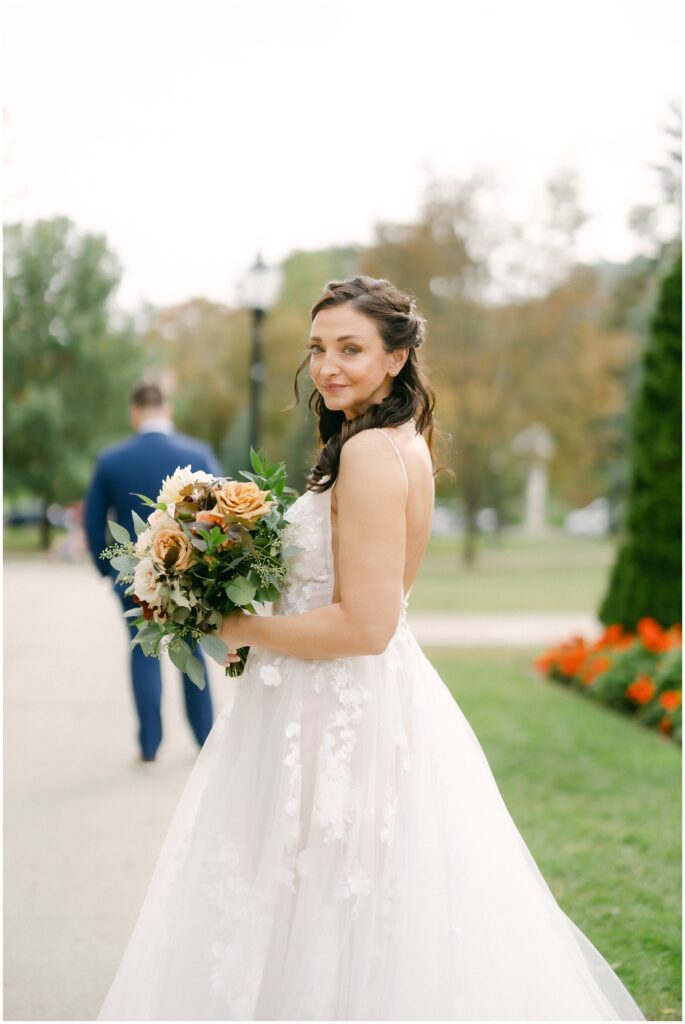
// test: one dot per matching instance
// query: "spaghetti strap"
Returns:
(397, 451)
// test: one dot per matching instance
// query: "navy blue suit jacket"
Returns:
(136, 466)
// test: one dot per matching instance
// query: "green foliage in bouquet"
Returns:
(216, 547)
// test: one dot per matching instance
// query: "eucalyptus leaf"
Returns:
(124, 563)
(240, 590)
(139, 525)
(291, 549)
(214, 647)
(178, 657)
(195, 670)
(120, 533)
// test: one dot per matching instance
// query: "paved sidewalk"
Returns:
(83, 823)
(505, 629)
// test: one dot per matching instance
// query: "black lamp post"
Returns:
(258, 291)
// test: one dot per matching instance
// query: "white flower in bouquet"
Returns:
(183, 477)
(145, 583)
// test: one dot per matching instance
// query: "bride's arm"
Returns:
(371, 545)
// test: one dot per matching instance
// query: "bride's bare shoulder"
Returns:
(368, 458)
(364, 443)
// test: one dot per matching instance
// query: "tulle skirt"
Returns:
(341, 851)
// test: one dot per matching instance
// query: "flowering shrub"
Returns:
(637, 673)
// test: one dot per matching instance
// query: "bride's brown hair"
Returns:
(400, 326)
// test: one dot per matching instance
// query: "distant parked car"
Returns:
(594, 520)
(24, 512)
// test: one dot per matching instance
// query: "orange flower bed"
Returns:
(641, 691)
(671, 699)
(657, 639)
(637, 673)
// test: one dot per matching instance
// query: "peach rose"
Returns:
(241, 499)
(164, 539)
(210, 518)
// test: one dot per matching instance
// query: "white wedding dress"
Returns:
(341, 851)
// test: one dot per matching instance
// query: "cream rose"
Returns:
(145, 583)
(241, 499)
(143, 543)
(164, 538)
(158, 516)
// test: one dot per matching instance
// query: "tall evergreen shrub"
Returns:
(646, 577)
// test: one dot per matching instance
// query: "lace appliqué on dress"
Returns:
(241, 929)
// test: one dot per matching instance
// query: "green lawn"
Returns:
(559, 573)
(597, 799)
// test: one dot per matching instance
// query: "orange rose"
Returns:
(211, 518)
(670, 699)
(666, 724)
(207, 519)
(164, 540)
(641, 690)
(241, 499)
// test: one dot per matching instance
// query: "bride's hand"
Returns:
(232, 634)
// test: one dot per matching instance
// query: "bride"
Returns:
(341, 850)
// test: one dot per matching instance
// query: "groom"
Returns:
(138, 466)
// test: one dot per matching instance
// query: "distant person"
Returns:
(138, 466)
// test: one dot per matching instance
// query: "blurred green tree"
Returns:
(500, 363)
(69, 359)
(443, 259)
(646, 577)
(205, 345)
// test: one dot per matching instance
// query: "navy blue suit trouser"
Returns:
(146, 676)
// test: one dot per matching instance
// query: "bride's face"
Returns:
(347, 361)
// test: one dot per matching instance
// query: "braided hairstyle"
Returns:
(411, 398)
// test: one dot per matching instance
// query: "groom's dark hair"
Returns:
(145, 396)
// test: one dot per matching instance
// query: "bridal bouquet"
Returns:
(210, 545)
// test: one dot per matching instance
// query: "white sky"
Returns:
(193, 134)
